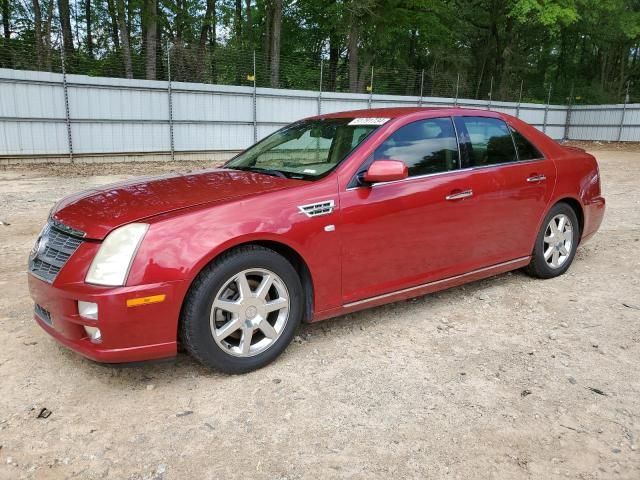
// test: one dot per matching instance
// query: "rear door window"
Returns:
(487, 141)
(526, 149)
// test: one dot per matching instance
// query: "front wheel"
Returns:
(556, 243)
(243, 310)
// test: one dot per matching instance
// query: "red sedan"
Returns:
(326, 216)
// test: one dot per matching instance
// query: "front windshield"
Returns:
(308, 149)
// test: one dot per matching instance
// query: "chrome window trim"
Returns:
(468, 169)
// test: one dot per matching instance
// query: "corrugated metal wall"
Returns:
(109, 116)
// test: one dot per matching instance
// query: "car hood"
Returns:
(98, 211)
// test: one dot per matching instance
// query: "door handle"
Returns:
(536, 178)
(460, 195)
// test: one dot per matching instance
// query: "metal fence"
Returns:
(69, 116)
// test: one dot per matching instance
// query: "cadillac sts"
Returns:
(326, 216)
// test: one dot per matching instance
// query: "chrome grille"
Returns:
(52, 250)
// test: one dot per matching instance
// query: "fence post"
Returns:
(519, 100)
(624, 111)
(455, 102)
(371, 88)
(65, 90)
(546, 110)
(490, 94)
(421, 87)
(567, 122)
(170, 95)
(320, 89)
(255, 101)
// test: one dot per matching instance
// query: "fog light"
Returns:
(88, 310)
(94, 334)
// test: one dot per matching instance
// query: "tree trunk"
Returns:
(6, 24)
(268, 21)
(124, 38)
(47, 36)
(37, 30)
(207, 31)
(130, 15)
(111, 7)
(352, 51)
(334, 56)
(275, 44)
(247, 4)
(150, 37)
(237, 22)
(65, 22)
(87, 14)
(411, 62)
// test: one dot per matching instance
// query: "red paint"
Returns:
(390, 239)
(386, 171)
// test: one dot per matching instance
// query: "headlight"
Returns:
(111, 265)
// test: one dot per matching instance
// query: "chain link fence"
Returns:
(229, 65)
(176, 113)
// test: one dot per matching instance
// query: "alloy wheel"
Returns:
(249, 312)
(558, 241)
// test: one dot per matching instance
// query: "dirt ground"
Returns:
(507, 378)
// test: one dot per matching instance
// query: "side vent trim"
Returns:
(317, 209)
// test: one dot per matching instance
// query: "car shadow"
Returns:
(176, 370)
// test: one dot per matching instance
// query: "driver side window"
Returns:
(426, 146)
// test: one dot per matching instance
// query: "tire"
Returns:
(216, 303)
(562, 245)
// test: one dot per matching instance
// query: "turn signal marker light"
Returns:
(136, 302)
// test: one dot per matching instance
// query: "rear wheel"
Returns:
(242, 310)
(556, 243)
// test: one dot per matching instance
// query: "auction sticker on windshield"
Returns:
(369, 121)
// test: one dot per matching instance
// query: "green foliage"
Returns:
(479, 48)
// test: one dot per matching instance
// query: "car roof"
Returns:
(397, 112)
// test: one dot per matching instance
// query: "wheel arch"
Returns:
(301, 267)
(576, 207)
(287, 251)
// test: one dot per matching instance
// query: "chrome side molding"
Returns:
(436, 282)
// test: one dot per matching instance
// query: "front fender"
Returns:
(179, 247)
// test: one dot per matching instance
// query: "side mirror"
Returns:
(385, 171)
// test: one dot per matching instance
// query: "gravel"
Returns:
(465, 383)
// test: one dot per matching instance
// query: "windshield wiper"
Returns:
(266, 171)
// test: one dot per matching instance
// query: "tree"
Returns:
(207, 33)
(124, 38)
(65, 23)
(413, 45)
(6, 20)
(113, 24)
(150, 24)
(37, 30)
(87, 16)
(274, 48)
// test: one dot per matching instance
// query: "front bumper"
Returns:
(128, 334)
